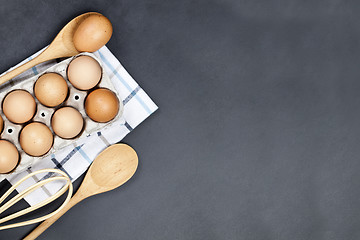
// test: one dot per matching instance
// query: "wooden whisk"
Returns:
(67, 187)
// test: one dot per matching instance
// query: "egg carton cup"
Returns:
(75, 98)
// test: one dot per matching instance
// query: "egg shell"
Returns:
(9, 156)
(92, 33)
(67, 122)
(102, 105)
(84, 72)
(19, 106)
(36, 139)
(51, 89)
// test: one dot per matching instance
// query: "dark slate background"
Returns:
(258, 131)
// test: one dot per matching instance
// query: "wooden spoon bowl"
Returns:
(111, 169)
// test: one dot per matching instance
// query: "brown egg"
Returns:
(102, 105)
(19, 106)
(67, 122)
(36, 139)
(1, 124)
(84, 72)
(9, 156)
(92, 33)
(51, 89)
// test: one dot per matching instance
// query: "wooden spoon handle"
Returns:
(48, 222)
(10, 75)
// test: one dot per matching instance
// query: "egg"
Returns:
(1, 124)
(102, 105)
(36, 139)
(9, 156)
(51, 89)
(67, 122)
(92, 33)
(19, 106)
(84, 72)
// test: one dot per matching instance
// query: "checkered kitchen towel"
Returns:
(76, 158)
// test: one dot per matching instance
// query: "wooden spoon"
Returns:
(111, 168)
(61, 46)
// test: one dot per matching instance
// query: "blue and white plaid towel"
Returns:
(76, 158)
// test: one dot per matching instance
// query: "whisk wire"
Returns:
(67, 187)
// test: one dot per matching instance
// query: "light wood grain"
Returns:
(112, 168)
(61, 46)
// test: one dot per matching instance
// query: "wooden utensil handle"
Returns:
(10, 75)
(48, 222)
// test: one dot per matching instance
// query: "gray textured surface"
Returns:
(257, 135)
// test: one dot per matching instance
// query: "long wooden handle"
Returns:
(48, 222)
(13, 73)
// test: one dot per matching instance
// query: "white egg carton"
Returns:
(43, 114)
